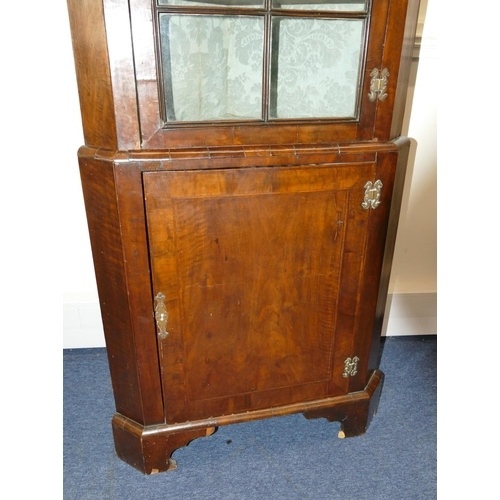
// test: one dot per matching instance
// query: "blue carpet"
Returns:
(282, 458)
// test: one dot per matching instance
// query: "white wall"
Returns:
(412, 306)
(414, 269)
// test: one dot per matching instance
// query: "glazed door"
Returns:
(260, 271)
(303, 69)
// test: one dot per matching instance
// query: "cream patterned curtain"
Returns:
(318, 67)
(213, 67)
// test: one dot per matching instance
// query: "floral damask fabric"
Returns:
(216, 66)
(213, 67)
(318, 67)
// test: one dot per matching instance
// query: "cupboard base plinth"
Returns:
(149, 448)
(354, 416)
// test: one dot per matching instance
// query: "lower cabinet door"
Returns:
(256, 274)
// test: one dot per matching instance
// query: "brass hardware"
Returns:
(372, 194)
(350, 367)
(378, 85)
(161, 315)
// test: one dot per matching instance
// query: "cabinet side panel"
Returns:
(372, 264)
(130, 203)
(121, 64)
(399, 41)
(88, 34)
(117, 308)
(398, 179)
(404, 68)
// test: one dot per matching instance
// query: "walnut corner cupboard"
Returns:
(242, 173)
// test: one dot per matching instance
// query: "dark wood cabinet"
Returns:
(242, 174)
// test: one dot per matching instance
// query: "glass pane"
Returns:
(335, 5)
(214, 3)
(315, 67)
(212, 67)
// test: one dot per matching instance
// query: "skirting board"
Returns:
(410, 314)
(406, 314)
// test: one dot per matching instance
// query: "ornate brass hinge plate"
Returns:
(161, 315)
(350, 367)
(372, 194)
(378, 85)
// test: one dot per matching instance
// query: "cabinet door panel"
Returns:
(251, 263)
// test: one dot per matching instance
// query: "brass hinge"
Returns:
(378, 85)
(161, 315)
(350, 367)
(372, 194)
